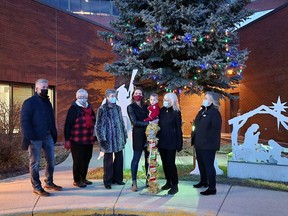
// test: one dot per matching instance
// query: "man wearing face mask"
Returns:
(79, 136)
(112, 135)
(39, 132)
(206, 140)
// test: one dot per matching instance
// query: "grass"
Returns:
(184, 175)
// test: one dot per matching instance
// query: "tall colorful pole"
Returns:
(152, 140)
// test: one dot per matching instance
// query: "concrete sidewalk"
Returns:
(16, 198)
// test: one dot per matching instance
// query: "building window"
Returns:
(12, 97)
(21, 93)
(90, 7)
(5, 94)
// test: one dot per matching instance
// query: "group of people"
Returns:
(170, 134)
(83, 126)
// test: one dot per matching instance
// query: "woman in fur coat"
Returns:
(112, 136)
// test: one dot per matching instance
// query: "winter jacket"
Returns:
(76, 130)
(37, 120)
(137, 115)
(207, 132)
(110, 129)
(170, 133)
(154, 111)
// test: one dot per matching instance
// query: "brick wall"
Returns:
(266, 75)
(190, 106)
(261, 5)
(37, 41)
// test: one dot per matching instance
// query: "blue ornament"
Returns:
(234, 64)
(188, 38)
(157, 28)
(203, 66)
(135, 51)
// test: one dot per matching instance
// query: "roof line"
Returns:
(264, 16)
(76, 16)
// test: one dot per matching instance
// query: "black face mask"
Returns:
(44, 93)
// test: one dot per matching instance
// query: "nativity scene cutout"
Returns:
(251, 150)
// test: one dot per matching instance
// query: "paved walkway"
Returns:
(16, 198)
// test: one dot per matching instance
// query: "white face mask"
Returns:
(112, 100)
(165, 104)
(206, 103)
(82, 101)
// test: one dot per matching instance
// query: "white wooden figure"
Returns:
(196, 171)
(251, 150)
(124, 97)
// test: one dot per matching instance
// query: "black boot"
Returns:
(173, 190)
(200, 184)
(209, 192)
(134, 187)
(166, 186)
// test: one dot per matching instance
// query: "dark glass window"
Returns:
(13, 96)
(85, 6)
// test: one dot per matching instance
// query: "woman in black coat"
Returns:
(137, 112)
(170, 140)
(79, 137)
(206, 140)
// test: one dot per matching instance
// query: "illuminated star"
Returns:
(278, 108)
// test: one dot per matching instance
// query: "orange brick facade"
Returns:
(190, 105)
(266, 75)
(37, 41)
(41, 42)
(264, 79)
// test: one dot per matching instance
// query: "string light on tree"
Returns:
(180, 43)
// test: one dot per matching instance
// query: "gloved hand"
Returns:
(67, 145)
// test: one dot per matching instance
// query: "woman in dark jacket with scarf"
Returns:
(137, 112)
(78, 132)
(206, 140)
(170, 140)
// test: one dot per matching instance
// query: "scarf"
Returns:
(88, 117)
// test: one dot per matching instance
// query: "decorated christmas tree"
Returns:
(186, 46)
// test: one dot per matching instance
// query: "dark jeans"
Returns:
(135, 162)
(81, 155)
(113, 170)
(35, 155)
(169, 167)
(205, 159)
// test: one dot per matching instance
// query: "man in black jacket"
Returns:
(39, 132)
